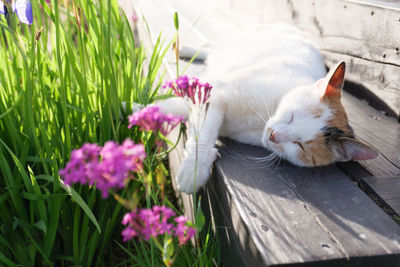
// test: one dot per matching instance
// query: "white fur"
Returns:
(251, 76)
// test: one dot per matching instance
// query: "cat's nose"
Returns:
(272, 137)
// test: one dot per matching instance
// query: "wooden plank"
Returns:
(303, 215)
(381, 131)
(387, 188)
(376, 76)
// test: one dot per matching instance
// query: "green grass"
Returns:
(56, 93)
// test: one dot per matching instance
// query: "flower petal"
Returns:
(23, 8)
(2, 8)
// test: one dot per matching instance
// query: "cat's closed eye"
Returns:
(299, 144)
(291, 119)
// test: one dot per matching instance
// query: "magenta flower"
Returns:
(182, 230)
(134, 18)
(78, 167)
(147, 223)
(23, 9)
(108, 167)
(151, 119)
(191, 88)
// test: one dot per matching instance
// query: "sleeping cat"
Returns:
(271, 89)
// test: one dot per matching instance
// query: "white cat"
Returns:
(271, 90)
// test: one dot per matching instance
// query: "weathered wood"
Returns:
(386, 188)
(378, 130)
(303, 215)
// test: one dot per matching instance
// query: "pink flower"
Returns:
(151, 119)
(183, 231)
(191, 88)
(79, 164)
(107, 167)
(134, 18)
(147, 223)
(128, 234)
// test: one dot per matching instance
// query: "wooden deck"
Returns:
(340, 215)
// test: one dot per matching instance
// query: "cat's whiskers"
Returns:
(262, 162)
(277, 165)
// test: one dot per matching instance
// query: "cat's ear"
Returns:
(333, 83)
(352, 149)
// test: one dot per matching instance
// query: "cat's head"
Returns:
(310, 126)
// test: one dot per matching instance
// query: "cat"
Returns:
(271, 89)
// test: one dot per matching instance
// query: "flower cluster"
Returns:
(191, 88)
(23, 8)
(147, 223)
(107, 167)
(151, 119)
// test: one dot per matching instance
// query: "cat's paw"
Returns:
(185, 177)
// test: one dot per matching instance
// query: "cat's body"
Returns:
(270, 90)
(251, 74)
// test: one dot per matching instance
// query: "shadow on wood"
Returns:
(296, 214)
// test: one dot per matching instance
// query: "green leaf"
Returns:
(78, 199)
(168, 250)
(41, 226)
(200, 218)
(5, 260)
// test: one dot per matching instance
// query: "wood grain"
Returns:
(387, 188)
(303, 215)
(378, 130)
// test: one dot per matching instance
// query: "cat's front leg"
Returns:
(187, 181)
(192, 176)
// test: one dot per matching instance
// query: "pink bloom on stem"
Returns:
(128, 233)
(79, 164)
(151, 119)
(134, 18)
(183, 231)
(147, 223)
(107, 167)
(191, 88)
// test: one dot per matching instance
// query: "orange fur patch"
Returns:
(315, 152)
(339, 118)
